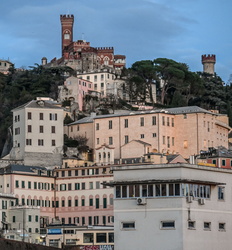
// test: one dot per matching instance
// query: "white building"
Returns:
(172, 207)
(38, 133)
(104, 81)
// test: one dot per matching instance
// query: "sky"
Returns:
(181, 30)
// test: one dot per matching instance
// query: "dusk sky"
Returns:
(181, 30)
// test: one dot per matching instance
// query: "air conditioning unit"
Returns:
(141, 201)
(201, 201)
(189, 199)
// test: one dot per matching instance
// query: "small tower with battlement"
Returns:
(208, 62)
(66, 30)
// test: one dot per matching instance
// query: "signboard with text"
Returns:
(100, 247)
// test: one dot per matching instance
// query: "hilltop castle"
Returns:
(80, 56)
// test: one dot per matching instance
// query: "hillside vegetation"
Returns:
(176, 86)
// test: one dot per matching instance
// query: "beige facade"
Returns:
(185, 131)
(38, 133)
(104, 81)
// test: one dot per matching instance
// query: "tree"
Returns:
(141, 81)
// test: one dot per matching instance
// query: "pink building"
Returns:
(74, 90)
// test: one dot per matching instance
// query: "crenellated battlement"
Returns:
(208, 58)
(104, 49)
(62, 17)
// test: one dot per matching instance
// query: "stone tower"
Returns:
(66, 30)
(208, 62)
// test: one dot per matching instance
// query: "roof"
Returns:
(138, 141)
(159, 181)
(42, 104)
(171, 111)
(20, 168)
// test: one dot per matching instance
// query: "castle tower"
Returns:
(208, 62)
(66, 30)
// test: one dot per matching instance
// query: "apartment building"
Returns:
(74, 194)
(74, 90)
(38, 133)
(130, 134)
(104, 81)
(189, 205)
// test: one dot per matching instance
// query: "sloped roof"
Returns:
(38, 104)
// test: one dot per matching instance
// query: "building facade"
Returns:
(189, 205)
(185, 131)
(38, 133)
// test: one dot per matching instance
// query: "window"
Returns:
(101, 237)
(29, 218)
(41, 116)
(207, 225)
(141, 121)
(29, 185)
(69, 186)
(168, 123)
(104, 202)
(53, 142)
(35, 185)
(91, 185)
(77, 186)
(111, 237)
(82, 202)
(153, 120)
(62, 187)
(167, 224)
(28, 115)
(83, 185)
(191, 224)
(95, 86)
(90, 220)
(142, 136)
(83, 221)
(125, 123)
(88, 237)
(173, 141)
(98, 141)
(40, 142)
(110, 140)
(53, 117)
(126, 139)
(76, 172)
(96, 220)
(63, 203)
(221, 191)
(36, 218)
(41, 129)
(23, 184)
(53, 129)
(172, 122)
(29, 128)
(95, 78)
(153, 134)
(110, 124)
(223, 162)
(69, 203)
(97, 202)
(97, 126)
(163, 139)
(163, 120)
(17, 131)
(69, 173)
(97, 184)
(76, 202)
(222, 226)
(28, 142)
(14, 219)
(128, 225)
